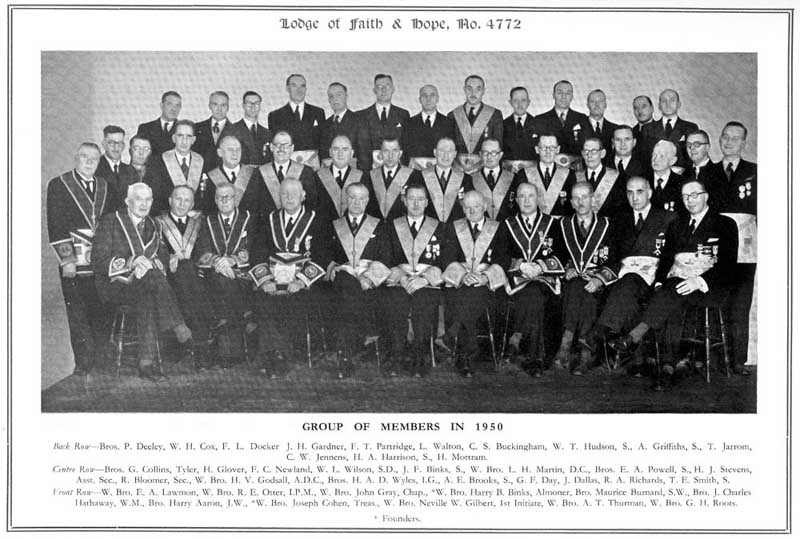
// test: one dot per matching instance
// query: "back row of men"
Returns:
(468, 124)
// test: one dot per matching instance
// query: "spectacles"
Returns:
(284, 146)
(226, 197)
(592, 151)
(549, 148)
(491, 154)
(693, 196)
(695, 145)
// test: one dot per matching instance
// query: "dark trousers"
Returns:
(230, 300)
(154, 305)
(738, 310)
(579, 307)
(622, 311)
(423, 305)
(529, 311)
(466, 305)
(88, 320)
(352, 311)
(193, 300)
(282, 321)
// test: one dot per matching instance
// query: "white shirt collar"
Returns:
(594, 121)
(82, 177)
(432, 116)
(625, 160)
(702, 164)
(229, 216)
(596, 171)
(235, 170)
(336, 170)
(249, 123)
(496, 171)
(170, 122)
(180, 157)
(479, 223)
(392, 170)
(520, 118)
(440, 171)
(665, 118)
(342, 114)
(697, 218)
(561, 111)
(734, 160)
(301, 106)
(293, 215)
(111, 161)
(178, 219)
(220, 122)
(358, 218)
(418, 221)
(645, 212)
(136, 220)
(379, 109)
(664, 176)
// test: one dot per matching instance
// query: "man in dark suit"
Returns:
(388, 182)
(698, 259)
(177, 166)
(342, 121)
(608, 189)
(643, 112)
(563, 121)
(282, 168)
(379, 121)
(549, 178)
(665, 182)
(519, 128)
(446, 185)
(140, 151)
(209, 132)
(698, 144)
(159, 131)
(75, 202)
(640, 233)
(497, 185)
(335, 178)
(253, 136)
(111, 168)
(596, 123)
(244, 178)
(669, 127)
(732, 190)
(303, 121)
(130, 263)
(475, 121)
(624, 158)
(424, 130)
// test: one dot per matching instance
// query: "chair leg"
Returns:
(433, 354)
(505, 329)
(377, 353)
(120, 334)
(707, 336)
(724, 336)
(158, 357)
(491, 340)
(308, 342)
(322, 331)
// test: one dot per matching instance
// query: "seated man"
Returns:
(290, 258)
(355, 272)
(129, 262)
(533, 271)
(223, 251)
(698, 259)
(414, 256)
(180, 231)
(587, 247)
(476, 255)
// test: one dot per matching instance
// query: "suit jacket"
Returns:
(269, 188)
(639, 150)
(247, 188)
(305, 133)
(332, 200)
(492, 129)
(446, 205)
(176, 242)
(119, 182)
(634, 168)
(705, 172)
(615, 200)
(374, 248)
(737, 195)
(670, 196)
(159, 142)
(255, 151)
(493, 252)
(419, 140)
(371, 131)
(593, 254)
(569, 138)
(553, 197)
(212, 243)
(538, 245)
(348, 126)
(519, 144)
(204, 142)
(385, 201)
(654, 131)
(429, 253)
(647, 242)
(606, 132)
(714, 230)
(311, 234)
(162, 181)
(501, 196)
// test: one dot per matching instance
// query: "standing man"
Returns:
(445, 185)
(495, 184)
(589, 250)
(130, 263)
(283, 168)
(180, 232)
(388, 182)
(698, 145)
(563, 121)
(666, 184)
(519, 128)
(336, 177)
(475, 121)
(424, 130)
(597, 125)
(624, 158)
(232, 172)
(303, 121)
(669, 127)
(140, 151)
(698, 259)
(343, 121)
(379, 122)
(608, 191)
(732, 190)
(253, 136)
(210, 131)
(475, 259)
(533, 272)
(111, 168)
(76, 201)
(179, 166)
(355, 272)
(414, 256)
(548, 177)
(643, 112)
(159, 131)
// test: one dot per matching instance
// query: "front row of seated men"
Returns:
(191, 273)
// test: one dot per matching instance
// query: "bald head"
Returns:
(474, 206)
(292, 195)
(428, 98)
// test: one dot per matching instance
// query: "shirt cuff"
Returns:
(703, 285)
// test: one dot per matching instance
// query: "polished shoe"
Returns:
(623, 345)
(587, 344)
(563, 357)
(534, 367)
(148, 372)
(583, 365)
(664, 380)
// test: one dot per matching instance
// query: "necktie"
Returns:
(226, 224)
(182, 225)
(428, 122)
(668, 128)
(185, 168)
(336, 119)
(414, 228)
(166, 129)
(353, 225)
(140, 228)
(692, 224)
(340, 179)
(116, 169)
(280, 173)
(297, 114)
(471, 115)
(490, 179)
(528, 224)
(597, 128)
(253, 130)
(547, 176)
(639, 223)
(289, 225)
(89, 187)
(592, 178)
(383, 114)
(475, 230)
(388, 177)
(563, 118)
(659, 183)
(233, 176)
(620, 167)
(729, 171)
(696, 173)
(443, 181)
(216, 128)
(584, 228)
(519, 123)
